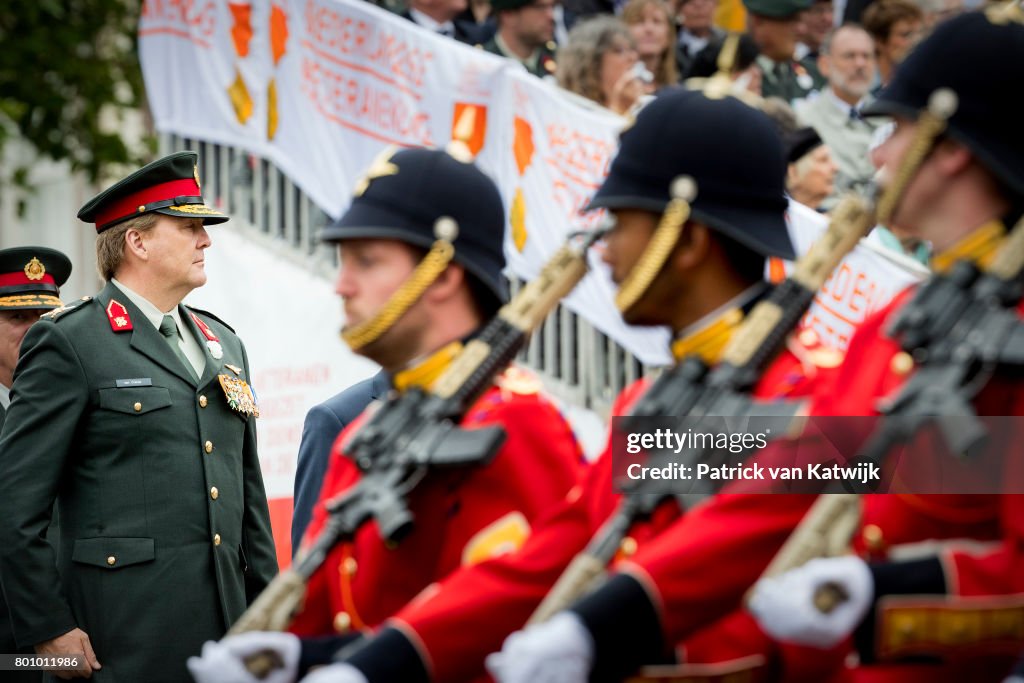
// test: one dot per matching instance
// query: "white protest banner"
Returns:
(864, 282)
(321, 88)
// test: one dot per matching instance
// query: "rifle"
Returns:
(960, 327)
(414, 432)
(693, 389)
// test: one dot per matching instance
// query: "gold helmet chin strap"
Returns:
(931, 124)
(426, 272)
(653, 258)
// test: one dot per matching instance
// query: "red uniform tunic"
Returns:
(462, 516)
(896, 526)
(484, 603)
(736, 535)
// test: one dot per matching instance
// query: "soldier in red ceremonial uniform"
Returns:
(711, 276)
(426, 212)
(966, 194)
(960, 201)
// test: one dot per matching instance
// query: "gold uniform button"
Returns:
(873, 537)
(628, 546)
(349, 566)
(342, 622)
(216, 539)
(214, 492)
(111, 560)
(901, 363)
(142, 207)
(202, 401)
(208, 447)
(138, 407)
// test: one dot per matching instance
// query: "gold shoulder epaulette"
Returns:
(66, 308)
(813, 350)
(520, 381)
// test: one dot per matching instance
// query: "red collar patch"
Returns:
(204, 328)
(118, 316)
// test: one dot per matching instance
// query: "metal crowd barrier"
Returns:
(578, 363)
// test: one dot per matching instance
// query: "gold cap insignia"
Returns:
(34, 269)
(380, 167)
(1002, 13)
(195, 174)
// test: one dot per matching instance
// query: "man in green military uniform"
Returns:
(30, 281)
(133, 413)
(773, 26)
(526, 31)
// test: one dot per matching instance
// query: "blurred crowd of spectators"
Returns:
(815, 62)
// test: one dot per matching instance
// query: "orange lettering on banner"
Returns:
(846, 299)
(192, 20)
(856, 293)
(827, 331)
(361, 45)
(860, 299)
(579, 163)
(837, 282)
(359, 105)
(290, 377)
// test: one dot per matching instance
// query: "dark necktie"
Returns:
(169, 329)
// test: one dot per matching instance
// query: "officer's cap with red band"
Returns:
(30, 277)
(169, 186)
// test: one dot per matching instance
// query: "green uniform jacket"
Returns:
(111, 425)
(543, 66)
(7, 643)
(790, 81)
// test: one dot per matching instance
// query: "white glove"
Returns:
(336, 673)
(784, 605)
(560, 650)
(224, 661)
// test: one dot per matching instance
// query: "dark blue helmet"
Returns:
(732, 151)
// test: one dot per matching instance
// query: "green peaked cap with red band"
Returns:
(169, 186)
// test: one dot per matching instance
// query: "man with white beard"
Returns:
(848, 62)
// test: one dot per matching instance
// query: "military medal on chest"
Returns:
(239, 395)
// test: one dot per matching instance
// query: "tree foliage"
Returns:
(67, 69)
